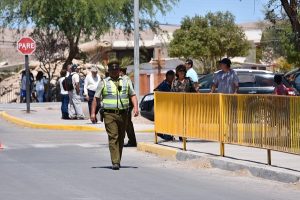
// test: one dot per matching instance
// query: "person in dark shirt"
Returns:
(166, 85)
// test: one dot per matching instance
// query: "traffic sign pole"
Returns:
(27, 46)
(28, 93)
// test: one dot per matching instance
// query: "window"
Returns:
(246, 80)
(264, 80)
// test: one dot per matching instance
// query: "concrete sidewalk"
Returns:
(49, 113)
(285, 167)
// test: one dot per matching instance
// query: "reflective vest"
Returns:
(115, 98)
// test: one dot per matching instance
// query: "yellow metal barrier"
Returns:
(262, 121)
(169, 113)
(202, 116)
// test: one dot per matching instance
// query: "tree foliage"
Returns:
(282, 37)
(209, 38)
(285, 10)
(81, 19)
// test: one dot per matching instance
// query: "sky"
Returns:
(244, 10)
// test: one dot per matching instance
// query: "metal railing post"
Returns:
(155, 138)
(184, 143)
(269, 157)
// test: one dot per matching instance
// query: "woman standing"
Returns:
(182, 83)
(40, 86)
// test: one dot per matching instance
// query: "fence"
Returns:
(262, 121)
(9, 95)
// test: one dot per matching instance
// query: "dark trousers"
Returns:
(130, 131)
(64, 106)
(91, 95)
(115, 125)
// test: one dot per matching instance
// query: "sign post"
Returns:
(27, 46)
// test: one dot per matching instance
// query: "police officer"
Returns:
(130, 129)
(115, 93)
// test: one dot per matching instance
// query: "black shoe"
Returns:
(115, 166)
(130, 145)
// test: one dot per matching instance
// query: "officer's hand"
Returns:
(87, 98)
(135, 112)
(93, 118)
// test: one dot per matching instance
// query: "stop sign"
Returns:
(26, 45)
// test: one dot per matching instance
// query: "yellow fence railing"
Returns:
(262, 121)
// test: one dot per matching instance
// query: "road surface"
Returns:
(62, 165)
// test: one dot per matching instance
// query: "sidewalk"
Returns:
(49, 113)
(285, 167)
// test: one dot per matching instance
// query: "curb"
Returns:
(256, 170)
(34, 125)
(29, 124)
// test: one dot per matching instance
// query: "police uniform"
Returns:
(115, 96)
(130, 129)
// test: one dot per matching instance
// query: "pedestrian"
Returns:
(182, 83)
(225, 80)
(90, 85)
(115, 93)
(280, 88)
(23, 86)
(64, 96)
(191, 73)
(130, 128)
(166, 85)
(75, 108)
(40, 86)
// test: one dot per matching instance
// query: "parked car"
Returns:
(251, 82)
(294, 78)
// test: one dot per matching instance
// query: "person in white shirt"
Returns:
(75, 109)
(64, 96)
(191, 73)
(90, 86)
(40, 86)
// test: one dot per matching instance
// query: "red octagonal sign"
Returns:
(26, 45)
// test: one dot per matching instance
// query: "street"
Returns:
(42, 164)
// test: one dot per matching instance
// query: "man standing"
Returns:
(166, 85)
(90, 85)
(191, 73)
(75, 110)
(130, 129)
(225, 80)
(115, 93)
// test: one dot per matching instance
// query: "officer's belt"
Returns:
(115, 111)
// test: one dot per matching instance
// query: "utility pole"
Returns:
(136, 49)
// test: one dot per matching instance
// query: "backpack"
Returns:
(68, 83)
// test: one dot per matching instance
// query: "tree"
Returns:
(291, 8)
(278, 41)
(50, 48)
(81, 19)
(209, 38)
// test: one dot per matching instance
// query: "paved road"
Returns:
(47, 165)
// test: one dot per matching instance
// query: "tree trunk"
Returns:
(73, 51)
(291, 10)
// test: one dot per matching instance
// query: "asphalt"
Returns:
(68, 165)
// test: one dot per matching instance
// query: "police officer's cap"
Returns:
(113, 66)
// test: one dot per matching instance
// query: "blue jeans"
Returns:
(91, 95)
(40, 95)
(64, 106)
